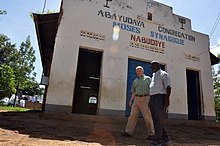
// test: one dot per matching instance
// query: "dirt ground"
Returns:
(46, 129)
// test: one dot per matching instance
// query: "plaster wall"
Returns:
(93, 17)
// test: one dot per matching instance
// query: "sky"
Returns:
(203, 15)
(17, 23)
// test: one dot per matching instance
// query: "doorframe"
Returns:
(200, 92)
(101, 72)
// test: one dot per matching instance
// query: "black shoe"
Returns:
(154, 143)
(125, 134)
(167, 143)
(150, 137)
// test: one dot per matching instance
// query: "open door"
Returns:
(85, 100)
(132, 64)
(193, 95)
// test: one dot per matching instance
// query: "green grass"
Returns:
(16, 109)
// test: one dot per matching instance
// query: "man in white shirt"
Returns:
(160, 89)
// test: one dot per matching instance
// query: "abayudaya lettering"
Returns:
(148, 41)
(121, 18)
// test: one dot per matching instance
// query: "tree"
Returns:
(25, 62)
(7, 86)
(24, 65)
(21, 61)
(216, 82)
(8, 51)
(3, 12)
(32, 88)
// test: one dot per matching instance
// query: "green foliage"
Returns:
(21, 62)
(16, 109)
(8, 51)
(3, 12)
(216, 82)
(24, 63)
(48, 11)
(7, 78)
(32, 88)
(7, 85)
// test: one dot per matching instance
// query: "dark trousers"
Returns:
(158, 113)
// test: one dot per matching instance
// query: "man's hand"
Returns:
(130, 103)
(167, 100)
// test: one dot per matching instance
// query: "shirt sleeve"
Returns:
(133, 87)
(149, 78)
(166, 80)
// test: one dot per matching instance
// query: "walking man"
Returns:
(140, 99)
(160, 89)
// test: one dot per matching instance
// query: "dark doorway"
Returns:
(85, 100)
(193, 95)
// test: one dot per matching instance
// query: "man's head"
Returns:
(155, 66)
(139, 71)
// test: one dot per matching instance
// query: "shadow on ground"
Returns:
(36, 127)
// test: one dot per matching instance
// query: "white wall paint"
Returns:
(82, 15)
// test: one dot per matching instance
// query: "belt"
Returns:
(141, 95)
(158, 94)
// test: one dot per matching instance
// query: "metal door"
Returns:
(132, 64)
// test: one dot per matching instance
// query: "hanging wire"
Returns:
(202, 53)
(208, 50)
(211, 33)
(215, 25)
(45, 1)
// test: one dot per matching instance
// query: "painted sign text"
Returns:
(146, 40)
(167, 38)
(121, 18)
(176, 33)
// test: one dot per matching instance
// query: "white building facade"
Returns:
(98, 45)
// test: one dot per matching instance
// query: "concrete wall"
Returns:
(90, 16)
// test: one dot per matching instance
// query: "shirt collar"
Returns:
(158, 72)
(141, 77)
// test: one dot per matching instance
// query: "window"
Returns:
(93, 100)
(149, 16)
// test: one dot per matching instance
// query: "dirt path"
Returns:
(30, 129)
